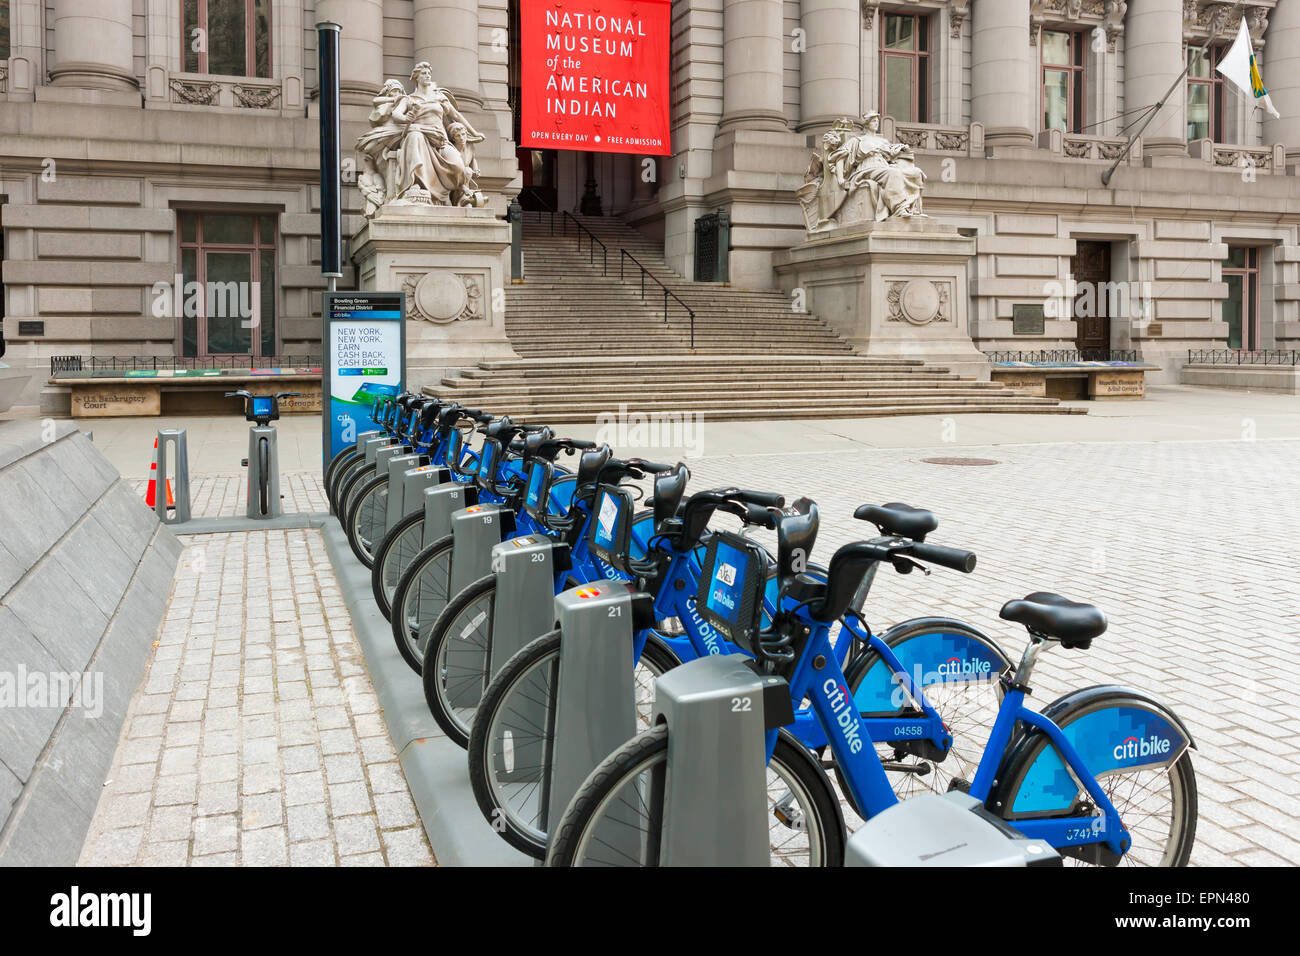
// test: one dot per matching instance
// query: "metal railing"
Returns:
(157, 363)
(1243, 356)
(1050, 356)
(567, 217)
(624, 254)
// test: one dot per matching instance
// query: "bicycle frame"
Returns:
(850, 735)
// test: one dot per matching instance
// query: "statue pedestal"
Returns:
(450, 262)
(893, 289)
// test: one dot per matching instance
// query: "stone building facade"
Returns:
(142, 140)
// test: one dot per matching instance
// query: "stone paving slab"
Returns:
(255, 737)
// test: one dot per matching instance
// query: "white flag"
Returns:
(1238, 65)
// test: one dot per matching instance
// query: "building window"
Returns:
(1241, 307)
(1063, 52)
(227, 37)
(228, 297)
(905, 67)
(1204, 93)
(4, 29)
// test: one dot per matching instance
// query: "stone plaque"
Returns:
(115, 401)
(1117, 383)
(1022, 380)
(1027, 319)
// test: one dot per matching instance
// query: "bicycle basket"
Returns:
(729, 595)
(609, 533)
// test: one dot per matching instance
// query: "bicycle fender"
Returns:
(931, 650)
(1113, 728)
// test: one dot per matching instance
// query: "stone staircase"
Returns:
(589, 344)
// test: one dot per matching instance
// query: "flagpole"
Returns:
(1105, 177)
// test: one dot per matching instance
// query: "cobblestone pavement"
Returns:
(226, 496)
(256, 737)
(1189, 548)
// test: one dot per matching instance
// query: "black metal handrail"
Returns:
(143, 363)
(624, 254)
(567, 217)
(1243, 357)
(1064, 355)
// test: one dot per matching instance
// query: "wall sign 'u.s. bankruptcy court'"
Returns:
(595, 75)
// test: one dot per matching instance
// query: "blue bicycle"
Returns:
(508, 751)
(456, 649)
(1104, 774)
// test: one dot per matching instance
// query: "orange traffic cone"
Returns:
(153, 481)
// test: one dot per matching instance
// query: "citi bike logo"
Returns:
(707, 634)
(1134, 747)
(845, 712)
(957, 665)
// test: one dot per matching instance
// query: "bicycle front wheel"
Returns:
(393, 555)
(367, 517)
(456, 658)
(264, 475)
(510, 740)
(422, 592)
(616, 818)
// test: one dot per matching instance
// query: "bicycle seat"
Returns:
(1052, 616)
(899, 519)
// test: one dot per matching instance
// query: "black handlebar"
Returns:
(954, 558)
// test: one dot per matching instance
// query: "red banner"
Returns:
(595, 75)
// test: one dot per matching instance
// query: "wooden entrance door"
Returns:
(1091, 270)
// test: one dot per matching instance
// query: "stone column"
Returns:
(1280, 63)
(752, 37)
(1001, 60)
(1153, 58)
(93, 45)
(361, 46)
(446, 34)
(828, 66)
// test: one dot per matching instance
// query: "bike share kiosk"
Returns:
(263, 461)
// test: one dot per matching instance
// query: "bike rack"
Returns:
(181, 511)
(475, 531)
(398, 466)
(525, 580)
(253, 498)
(409, 487)
(718, 710)
(950, 829)
(440, 503)
(524, 568)
(594, 698)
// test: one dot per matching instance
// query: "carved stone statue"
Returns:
(419, 150)
(860, 177)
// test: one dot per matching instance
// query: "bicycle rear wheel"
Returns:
(627, 791)
(510, 738)
(421, 594)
